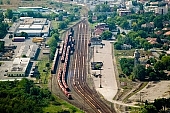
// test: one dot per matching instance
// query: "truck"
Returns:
(38, 39)
(18, 39)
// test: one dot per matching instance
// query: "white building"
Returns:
(162, 10)
(29, 50)
(19, 67)
(129, 5)
(34, 27)
(157, 9)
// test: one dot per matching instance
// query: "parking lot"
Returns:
(6, 65)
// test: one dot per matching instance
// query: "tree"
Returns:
(127, 65)
(1, 2)
(24, 56)
(106, 35)
(166, 61)
(60, 17)
(14, 19)
(158, 21)
(1, 17)
(56, 36)
(110, 22)
(3, 29)
(124, 24)
(159, 65)
(9, 14)
(117, 45)
(62, 25)
(24, 34)
(149, 109)
(8, 2)
(71, 17)
(139, 72)
(147, 46)
(2, 43)
(152, 76)
(161, 55)
(102, 8)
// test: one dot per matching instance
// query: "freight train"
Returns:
(60, 72)
(64, 51)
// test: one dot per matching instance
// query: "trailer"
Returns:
(18, 39)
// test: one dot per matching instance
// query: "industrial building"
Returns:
(34, 27)
(20, 67)
(30, 51)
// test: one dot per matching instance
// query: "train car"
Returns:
(73, 41)
(63, 58)
(70, 40)
(59, 74)
(55, 61)
(69, 96)
(64, 82)
(61, 48)
(71, 32)
(64, 54)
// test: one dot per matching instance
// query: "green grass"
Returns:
(41, 66)
(92, 25)
(61, 106)
(54, 24)
(1, 63)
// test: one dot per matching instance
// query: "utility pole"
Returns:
(100, 76)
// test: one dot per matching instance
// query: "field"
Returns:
(13, 4)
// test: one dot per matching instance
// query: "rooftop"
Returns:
(19, 65)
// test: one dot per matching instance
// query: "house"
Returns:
(152, 40)
(166, 29)
(103, 26)
(98, 31)
(165, 23)
(158, 32)
(94, 18)
(148, 25)
(123, 12)
(100, 26)
(126, 47)
(167, 33)
(156, 8)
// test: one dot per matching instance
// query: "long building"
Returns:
(34, 27)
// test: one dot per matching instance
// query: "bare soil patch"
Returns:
(153, 90)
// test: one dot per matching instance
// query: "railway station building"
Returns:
(19, 68)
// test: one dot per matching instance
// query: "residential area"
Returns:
(140, 32)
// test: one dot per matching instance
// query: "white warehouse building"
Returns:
(19, 67)
(34, 27)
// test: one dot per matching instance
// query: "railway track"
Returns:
(79, 71)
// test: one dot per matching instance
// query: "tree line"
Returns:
(161, 105)
(155, 69)
(23, 97)
(26, 97)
